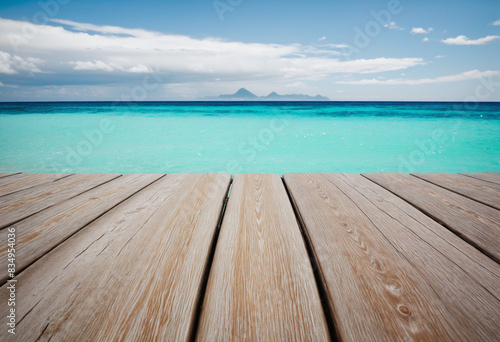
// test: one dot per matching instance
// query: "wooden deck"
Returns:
(306, 257)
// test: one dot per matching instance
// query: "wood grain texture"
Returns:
(132, 274)
(474, 262)
(27, 180)
(466, 280)
(493, 177)
(475, 222)
(2, 175)
(375, 293)
(39, 233)
(261, 285)
(475, 189)
(24, 203)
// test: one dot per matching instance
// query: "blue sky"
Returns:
(188, 50)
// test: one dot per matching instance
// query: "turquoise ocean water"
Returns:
(233, 137)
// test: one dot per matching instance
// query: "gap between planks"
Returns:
(208, 267)
(261, 284)
(327, 308)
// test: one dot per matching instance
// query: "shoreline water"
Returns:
(242, 137)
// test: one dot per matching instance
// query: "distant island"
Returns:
(245, 95)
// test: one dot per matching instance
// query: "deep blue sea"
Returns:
(242, 137)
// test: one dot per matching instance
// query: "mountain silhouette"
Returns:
(246, 95)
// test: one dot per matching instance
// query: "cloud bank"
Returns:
(75, 51)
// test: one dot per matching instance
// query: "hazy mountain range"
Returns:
(245, 95)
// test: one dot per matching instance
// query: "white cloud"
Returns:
(320, 49)
(102, 66)
(463, 40)
(121, 51)
(496, 23)
(440, 56)
(306, 67)
(337, 46)
(11, 64)
(393, 26)
(468, 75)
(141, 68)
(5, 66)
(321, 39)
(96, 65)
(425, 39)
(420, 30)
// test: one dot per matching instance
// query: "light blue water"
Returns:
(249, 137)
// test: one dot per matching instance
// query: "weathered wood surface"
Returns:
(39, 233)
(24, 203)
(109, 257)
(375, 292)
(473, 221)
(475, 189)
(2, 175)
(467, 281)
(27, 180)
(261, 285)
(135, 273)
(470, 259)
(493, 177)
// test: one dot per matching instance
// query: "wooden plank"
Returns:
(24, 203)
(39, 233)
(261, 284)
(467, 281)
(475, 189)
(375, 293)
(470, 259)
(493, 177)
(475, 222)
(132, 274)
(2, 175)
(27, 180)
